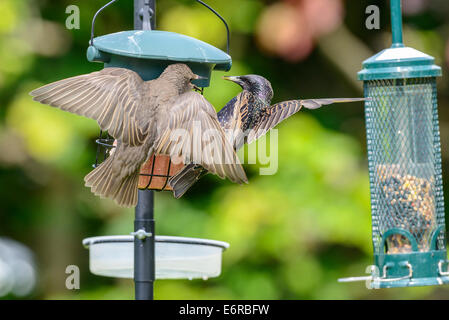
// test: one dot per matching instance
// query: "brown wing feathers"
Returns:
(281, 111)
(142, 116)
(215, 154)
(117, 176)
(110, 96)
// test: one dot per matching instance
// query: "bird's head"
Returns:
(181, 76)
(255, 84)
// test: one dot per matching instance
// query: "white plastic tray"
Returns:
(176, 257)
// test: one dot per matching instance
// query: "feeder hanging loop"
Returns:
(95, 18)
(145, 14)
(148, 13)
(222, 19)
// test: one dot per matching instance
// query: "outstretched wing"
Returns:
(111, 96)
(190, 130)
(281, 111)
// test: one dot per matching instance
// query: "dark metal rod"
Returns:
(144, 258)
(144, 261)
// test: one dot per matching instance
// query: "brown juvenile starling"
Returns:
(245, 118)
(143, 116)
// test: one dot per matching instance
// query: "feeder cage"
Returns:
(404, 157)
(148, 53)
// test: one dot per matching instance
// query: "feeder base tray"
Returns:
(176, 257)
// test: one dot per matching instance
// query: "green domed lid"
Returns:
(399, 63)
(158, 45)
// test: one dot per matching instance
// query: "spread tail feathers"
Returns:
(184, 179)
(103, 182)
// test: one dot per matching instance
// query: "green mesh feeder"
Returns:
(404, 156)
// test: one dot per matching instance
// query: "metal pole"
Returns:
(396, 23)
(144, 262)
(144, 229)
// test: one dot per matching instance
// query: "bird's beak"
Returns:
(197, 77)
(235, 79)
(232, 78)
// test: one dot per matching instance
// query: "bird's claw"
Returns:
(196, 88)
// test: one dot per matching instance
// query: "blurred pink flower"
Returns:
(323, 16)
(282, 31)
(288, 28)
(411, 7)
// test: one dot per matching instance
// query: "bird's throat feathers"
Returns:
(179, 76)
(258, 86)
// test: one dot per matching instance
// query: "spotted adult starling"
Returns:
(246, 117)
(143, 116)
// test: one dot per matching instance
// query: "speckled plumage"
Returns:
(246, 110)
(246, 117)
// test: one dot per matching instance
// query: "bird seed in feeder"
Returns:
(411, 200)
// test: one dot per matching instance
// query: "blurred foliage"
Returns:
(292, 234)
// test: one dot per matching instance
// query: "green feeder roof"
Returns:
(158, 45)
(399, 63)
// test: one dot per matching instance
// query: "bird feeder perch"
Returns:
(404, 157)
(148, 53)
